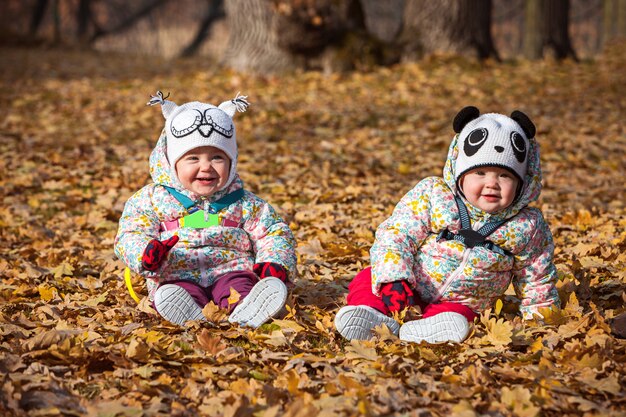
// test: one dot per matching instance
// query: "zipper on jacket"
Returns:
(453, 275)
(457, 272)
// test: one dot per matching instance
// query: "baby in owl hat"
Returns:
(195, 234)
(454, 244)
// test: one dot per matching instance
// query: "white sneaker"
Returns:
(176, 305)
(443, 327)
(266, 298)
(357, 322)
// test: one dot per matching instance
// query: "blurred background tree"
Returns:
(269, 36)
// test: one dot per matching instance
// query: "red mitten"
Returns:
(270, 269)
(397, 295)
(156, 251)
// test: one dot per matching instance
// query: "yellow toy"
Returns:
(129, 285)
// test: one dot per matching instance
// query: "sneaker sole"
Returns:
(357, 322)
(441, 328)
(265, 299)
(176, 305)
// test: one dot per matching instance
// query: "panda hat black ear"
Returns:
(525, 123)
(466, 115)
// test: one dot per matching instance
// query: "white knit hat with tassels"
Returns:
(195, 124)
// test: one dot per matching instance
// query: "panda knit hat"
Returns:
(195, 124)
(493, 140)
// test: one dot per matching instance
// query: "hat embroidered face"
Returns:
(205, 122)
(492, 140)
(478, 137)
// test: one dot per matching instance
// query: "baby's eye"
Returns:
(505, 175)
(218, 158)
(479, 173)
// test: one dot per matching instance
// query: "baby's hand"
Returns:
(156, 251)
(270, 269)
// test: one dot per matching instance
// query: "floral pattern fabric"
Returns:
(407, 246)
(201, 255)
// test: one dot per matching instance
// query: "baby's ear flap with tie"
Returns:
(524, 121)
(466, 115)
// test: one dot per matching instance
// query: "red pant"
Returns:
(360, 293)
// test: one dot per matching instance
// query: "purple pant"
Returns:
(240, 281)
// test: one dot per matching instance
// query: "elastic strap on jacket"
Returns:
(470, 237)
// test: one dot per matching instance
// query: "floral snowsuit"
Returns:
(440, 271)
(249, 232)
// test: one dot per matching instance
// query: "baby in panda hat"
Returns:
(195, 234)
(454, 243)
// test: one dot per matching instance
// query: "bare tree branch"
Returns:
(128, 22)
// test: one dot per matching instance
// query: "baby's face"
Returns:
(203, 170)
(491, 189)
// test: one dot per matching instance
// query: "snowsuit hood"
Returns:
(531, 187)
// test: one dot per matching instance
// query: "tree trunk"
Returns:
(215, 12)
(56, 18)
(473, 28)
(253, 43)
(83, 17)
(38, 14)
(608, 14)
(427, 28)
(533, 39)
(621, 18)
(556, 28)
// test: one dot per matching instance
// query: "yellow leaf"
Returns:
(276, 338)
(610, 384)
(553, 316)
(234, 297)
(63, 269)
(463, 409)
(213, 312)
(358, 350)
(499, 332)
(94, 301)
(592, 262)
(498, 307)
(573, 307)
(518, 400)
(152, 337)
(49, 338)
(47, 293)
(350, 383)
(584, 248)
(404, 169)
(428, 355)
(537, 345)
(240, 386)
(137, 349)
(145, 371)
(292, 381)
(288, 324)
(589, 361)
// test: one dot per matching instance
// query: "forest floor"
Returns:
(333, 154)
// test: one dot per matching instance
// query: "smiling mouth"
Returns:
(491, 197)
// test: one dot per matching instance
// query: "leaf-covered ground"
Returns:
(333, 154)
